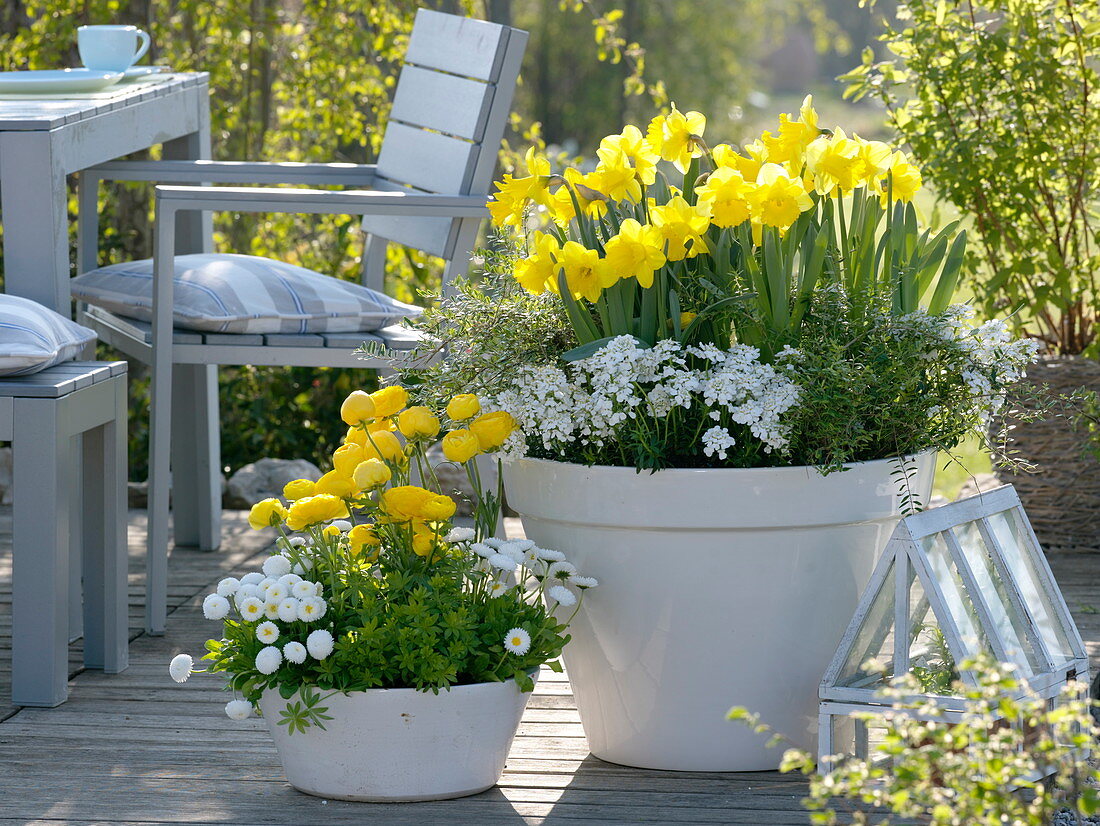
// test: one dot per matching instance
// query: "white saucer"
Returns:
(50, 81)
(142, 71)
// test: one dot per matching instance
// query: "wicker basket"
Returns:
(1062, 497)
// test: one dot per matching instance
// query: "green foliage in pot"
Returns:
(999, 100)
(1020, 761)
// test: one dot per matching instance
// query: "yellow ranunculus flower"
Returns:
(362, 537)
(635, 252)
(330, 530)
(535, 272)
(492, 429)
(355, 436)
(417, 422)
(298, 489)
(383, 445)
(725, 194)
(683, 226)
(265, 513)
(336, 484)
(378, 425)
(461, 446)
(438, 508)
(313, 509)
(371, 474)
(405, 503)
(674, 136)
(463, 406)
(585, 272)
(357, 407)
(346, 458)
(423, 543)
(389, 401)
(778, 199)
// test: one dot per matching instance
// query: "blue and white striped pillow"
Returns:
(227, 293)
(33, 337)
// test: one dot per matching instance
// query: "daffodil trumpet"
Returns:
(741, 247)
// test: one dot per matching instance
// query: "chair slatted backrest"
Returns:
(448, 117)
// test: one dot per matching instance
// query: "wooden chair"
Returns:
(428, 191)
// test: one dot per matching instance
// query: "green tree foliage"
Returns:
(1000, 102)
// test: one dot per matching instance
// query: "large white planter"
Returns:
(391, 745)
(717, 588)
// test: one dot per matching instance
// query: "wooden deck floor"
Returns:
(137, 748)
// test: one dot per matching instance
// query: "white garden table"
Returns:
(43, 140)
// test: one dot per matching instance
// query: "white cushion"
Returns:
(33, 337)
(226, 293)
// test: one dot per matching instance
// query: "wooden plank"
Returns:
(433, 100)
(428, 161)
(459, 45)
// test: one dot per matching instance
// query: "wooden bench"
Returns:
(67, 426)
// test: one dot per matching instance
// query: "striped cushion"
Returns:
(33, 337)
(227, 293)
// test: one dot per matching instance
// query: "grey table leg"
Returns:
(36, 231)
(106, 603)
(196, 448)
(40, 543)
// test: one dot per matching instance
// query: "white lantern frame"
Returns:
(986, 582)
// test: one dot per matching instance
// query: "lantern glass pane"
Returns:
(1008, 623)
(956, 599)
(930, 661)
(873, 641)
(1015, 546)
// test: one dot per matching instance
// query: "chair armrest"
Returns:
(236, 172)
(318, 201)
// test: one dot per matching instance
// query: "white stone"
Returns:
(265, 479)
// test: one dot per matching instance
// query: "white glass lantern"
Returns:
(954, 582)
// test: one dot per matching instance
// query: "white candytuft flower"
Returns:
(561, 571)
(319, 644)
(303, 589)
(253, 578)
(482, 549)
(215, 607)
(311, 609)
(238, 709)
(716, 441)
(180, 667)
(288, 609)
(517, 641)
(294, 652)
(251, 609)
(563, 595)
(269, 659)
(583, 582)
(267, 632)
(502, 562)
(276, 565)
(460, 535)
(228, 586)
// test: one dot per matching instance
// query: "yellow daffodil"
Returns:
(836, 162)
(778, 199)
(682, 226)
(904, 179)
(756, 155)
(676, 136)
(586, 189)
(418, 422)
(389, 401)
(463, 406)
(357, 407)
(876, 158)
(635, 252)
(371, 474)
(513, 194)
(266, 513)
(637, 149)
(725, 194)
(789, 145)
(337, 484)
(585, 272)
(313, 509)
(539, 269)
(493, 429)
(461, 446)
(615, 177)
(298, 489)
